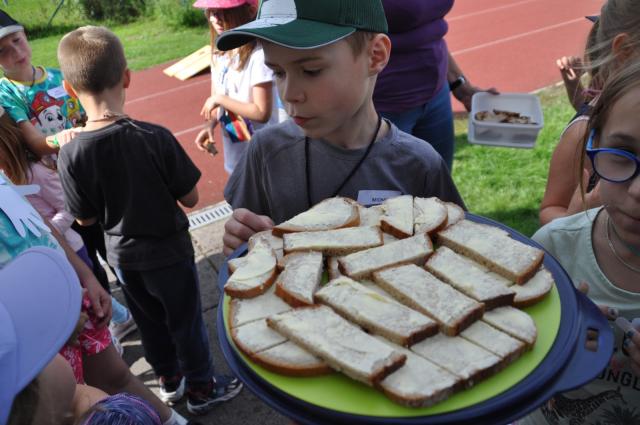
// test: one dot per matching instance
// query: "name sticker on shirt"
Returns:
(375, 197)
(57, 92)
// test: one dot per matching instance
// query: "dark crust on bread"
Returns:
(388, 228)
(290, 298)
(528, 302)
(255, 291)
(396, 362)
(469, 319)
(289, 369)
(420, 401)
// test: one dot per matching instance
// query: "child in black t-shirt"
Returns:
(128, 175)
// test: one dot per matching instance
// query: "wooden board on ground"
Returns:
(191, 65)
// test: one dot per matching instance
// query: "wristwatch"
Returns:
(457, 82)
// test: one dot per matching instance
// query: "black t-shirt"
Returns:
(129, 175)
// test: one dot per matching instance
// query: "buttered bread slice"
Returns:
(429, 215)
(420, 290)
(470, 278)
(245, 310)
(333, 242)
(493, 248)
(419, 383)
(454, 213)
(253, 275)
(460, 357)
(332, 213)
(534, 290)
(361, 264)
(290, 359)
(515, 322)
(273, 241)
(397, 218)
(342, 345)
(376, 313)
(300, 278)
(256, 336)
(495, 341)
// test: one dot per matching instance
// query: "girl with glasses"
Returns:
(600, 247)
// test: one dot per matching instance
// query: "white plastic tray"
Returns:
(504, 134)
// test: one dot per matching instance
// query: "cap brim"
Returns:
(5, 31)
(593, 18)
(40, 298)
(295, 34)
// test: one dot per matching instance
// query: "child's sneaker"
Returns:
(120, 330)
(171, 388)
(202, 398)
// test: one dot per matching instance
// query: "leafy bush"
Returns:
(113, 10)
(180, 13)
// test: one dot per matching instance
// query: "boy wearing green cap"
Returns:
(325, 57)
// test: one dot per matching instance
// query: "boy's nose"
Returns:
(291, 92)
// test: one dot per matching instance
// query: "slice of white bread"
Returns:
(388, 238)
(370, 216)
(254, 275)
(470, 278)
(300, 278)
(361, 264)
(460, 357)
(491, 339)
(333, 242)
(455, 213)
(256, 336)
(493, 248)
(534, 290)
(398, 216)
(290, 359)
(245, 310)
(273, 241)
(419, 383)
(376, 313)
(332, 213)
(420, 290)
(514, 322)
(342, 345)
(429, 215)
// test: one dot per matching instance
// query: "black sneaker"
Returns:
(202, 398)
(171, 388)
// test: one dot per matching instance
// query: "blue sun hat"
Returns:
(40, 298)
(307, 24)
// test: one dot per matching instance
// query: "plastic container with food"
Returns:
(508, 119)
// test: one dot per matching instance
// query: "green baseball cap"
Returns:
(307, 24)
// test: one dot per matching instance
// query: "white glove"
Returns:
(19, 211)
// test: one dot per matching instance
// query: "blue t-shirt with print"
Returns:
(44, 103)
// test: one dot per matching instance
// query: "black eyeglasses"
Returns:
(614, 165)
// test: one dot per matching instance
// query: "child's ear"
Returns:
(126, 78)
(621, 49)
(69, 89)
(379, 51)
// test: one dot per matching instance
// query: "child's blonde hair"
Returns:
(15, 157)
(614, 88)
(234, 17)
(91, 59)
(616, 17)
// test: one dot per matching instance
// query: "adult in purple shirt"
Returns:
(413, 90)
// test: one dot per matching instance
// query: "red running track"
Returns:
(509, 44)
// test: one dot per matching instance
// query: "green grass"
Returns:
(507, 184)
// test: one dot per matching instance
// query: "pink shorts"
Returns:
(90, 341)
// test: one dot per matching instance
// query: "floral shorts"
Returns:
(90, 341)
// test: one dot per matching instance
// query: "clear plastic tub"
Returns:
(505, 134)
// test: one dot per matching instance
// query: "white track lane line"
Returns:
(162, 93)
(493, 9)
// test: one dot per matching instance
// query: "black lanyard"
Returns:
(353, 170)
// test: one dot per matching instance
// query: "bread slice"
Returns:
(300, 278)
(398, 216)
(334, 242)
(495, 341)
(470, 278)
(493, 248)
(341, 344)
(370, 216)
(514, 322)
(245, 310)
(254, 275)
(534, 290)
(429, 215)
(361, 264)
(290, 359)
(454, 213)
(376, 313)
(387, 238)
(419, 383)
(332, 213)
(460, 357)
(273, 241)
(255, 336)
(420, 290)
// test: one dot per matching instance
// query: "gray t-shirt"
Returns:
(271, 178)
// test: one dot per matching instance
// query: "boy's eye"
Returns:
(312, 72)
